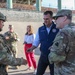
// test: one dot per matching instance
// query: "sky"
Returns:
(67, 4)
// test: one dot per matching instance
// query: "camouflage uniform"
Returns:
(5, 56)
(63, 51)
(12, 42)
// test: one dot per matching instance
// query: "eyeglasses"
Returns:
(58, 17)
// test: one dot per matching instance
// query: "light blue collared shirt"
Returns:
(37, 40)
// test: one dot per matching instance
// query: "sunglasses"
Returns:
(58, 17)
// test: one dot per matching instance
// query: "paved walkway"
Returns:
(23, 70)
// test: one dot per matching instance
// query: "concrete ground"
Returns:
(23, 70)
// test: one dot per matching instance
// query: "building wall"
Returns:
(22, 15)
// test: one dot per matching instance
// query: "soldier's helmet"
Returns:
(2, 17)
(11, 26)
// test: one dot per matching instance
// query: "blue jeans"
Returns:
(42, 65)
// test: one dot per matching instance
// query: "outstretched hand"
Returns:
(29, 50)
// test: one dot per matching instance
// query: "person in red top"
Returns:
(28, 40)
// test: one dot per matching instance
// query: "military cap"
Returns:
(64, 12)
(2, 17)
(11, 26)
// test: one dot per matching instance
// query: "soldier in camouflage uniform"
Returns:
(5, 56)
(63, 49)
(12, 38)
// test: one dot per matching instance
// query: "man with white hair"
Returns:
(63, 48)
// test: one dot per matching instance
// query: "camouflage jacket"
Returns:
(63, 49)
(5, 56)
(13, 38)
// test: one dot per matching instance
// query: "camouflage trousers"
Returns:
(64, 70)
(3, 69)
(14, 51)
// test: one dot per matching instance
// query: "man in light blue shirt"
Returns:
(45, 37)
(37, 39)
